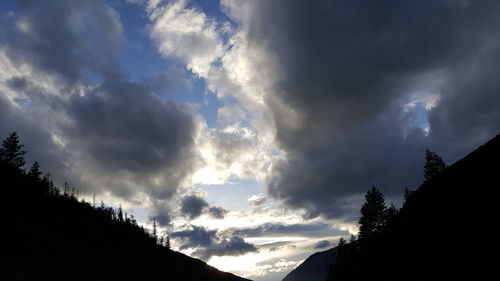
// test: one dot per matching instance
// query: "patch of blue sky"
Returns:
(212, 9)
(8, 5)
(418, 116)
(140, 56)
(143, 62)
(8, 10)
(209, 105)
(233, 195)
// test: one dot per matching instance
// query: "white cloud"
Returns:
(187, 34)
(242, 144)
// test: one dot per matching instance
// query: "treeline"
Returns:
(32, 186)
(50, 233)
(430, 237)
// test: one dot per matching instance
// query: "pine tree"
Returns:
(155, 235)
(66, 189)
(120, 214)
(35, 172)
(390, 213)
(373, 214)
(342, 241)
(11, 153)
(167, 243)
(434, 164)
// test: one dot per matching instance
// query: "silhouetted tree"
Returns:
(373, 213)
(155, 236)
(342, 241)
(35, 172)
(434, 164)
(167, 243)
(390, 213)
(66, 189)
(11, 153)
(120, 214)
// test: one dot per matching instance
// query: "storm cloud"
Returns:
(192, 206)
(359, 89)
(107, 133)
(217, 212)
(235, 246)
(208, 243)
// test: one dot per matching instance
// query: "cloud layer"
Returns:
(207, 243)
(70, 97)
(350, 80)
(318, 101)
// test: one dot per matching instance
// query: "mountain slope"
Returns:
(51, 236)
(446, 230)
(314, 268)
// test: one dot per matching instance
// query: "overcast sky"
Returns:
(249, 129)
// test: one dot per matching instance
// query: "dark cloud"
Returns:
(217, 212)
(279, 229)
(123, 127)
(39, 142)
(59, 37)
(345, 70)
(77, 107)
(161, 212)
(197, 236)
(322, 244)
(235, 246)
(207, 243)
(192, 206)
(18, 83)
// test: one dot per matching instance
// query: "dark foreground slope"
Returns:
(314, 268)
(46, 235)
(446, 230)
(60, 239)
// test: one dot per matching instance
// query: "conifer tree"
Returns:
(35, 172)
(390, 213)
(120, 213)
(373, 214)
(167, 243)
(342, 241)
(66, 189)
(434, 164)
(11, 153)
(155, 236)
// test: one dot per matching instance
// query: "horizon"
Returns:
(250, 131)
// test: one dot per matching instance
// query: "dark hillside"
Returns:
(314, 268)
(47, 234)
(446, 230)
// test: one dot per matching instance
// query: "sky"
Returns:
(248, 129)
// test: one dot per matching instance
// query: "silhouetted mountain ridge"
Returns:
(47, 234)
(314, 268)
(446, 229)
